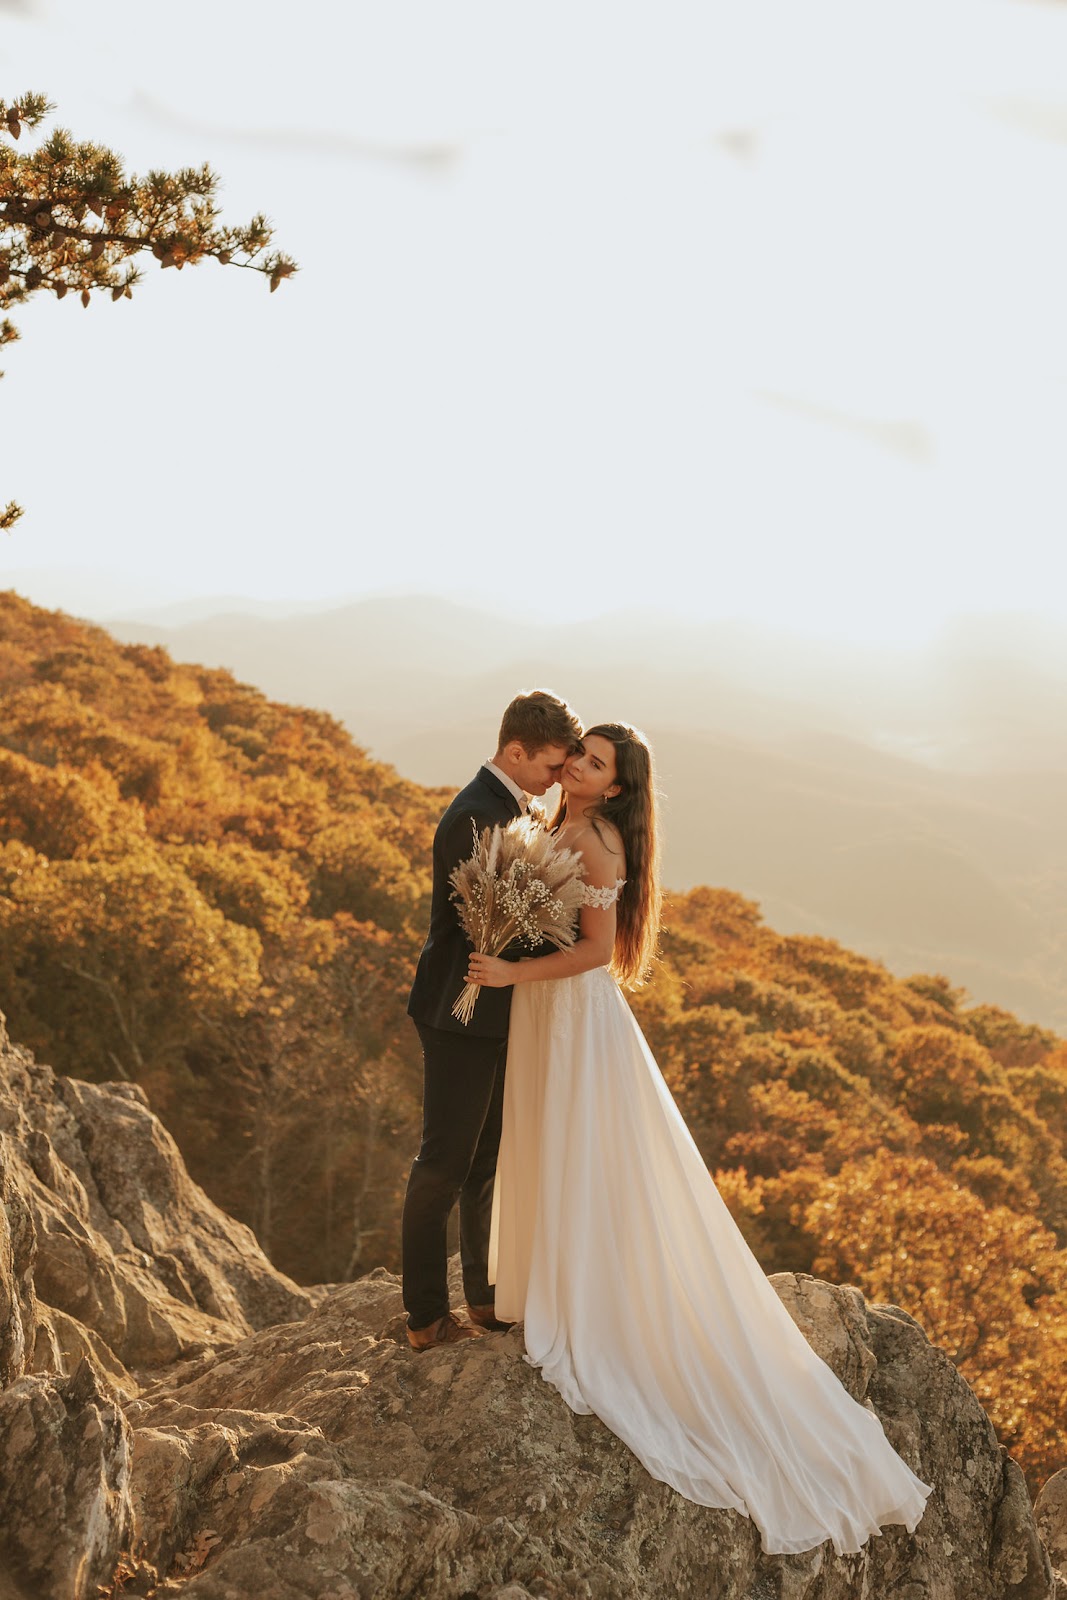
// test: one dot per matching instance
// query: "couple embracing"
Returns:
(586, 1211)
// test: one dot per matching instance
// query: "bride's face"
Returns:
(589, 773)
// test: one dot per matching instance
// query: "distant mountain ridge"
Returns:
(988, 692)
(793, 772)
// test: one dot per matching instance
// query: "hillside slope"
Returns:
(906, 802)
(220, 899)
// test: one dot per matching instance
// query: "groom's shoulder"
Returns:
(484, 796)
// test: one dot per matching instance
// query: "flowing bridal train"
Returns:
(642, 1302)
(610, 1242)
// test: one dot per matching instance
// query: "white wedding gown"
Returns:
(642, 1302)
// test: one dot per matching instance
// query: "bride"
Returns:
(640, 1300)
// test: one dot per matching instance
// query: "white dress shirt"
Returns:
(509, 784)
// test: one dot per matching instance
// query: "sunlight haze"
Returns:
(750, 314)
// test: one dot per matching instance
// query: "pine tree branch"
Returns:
(48, 197)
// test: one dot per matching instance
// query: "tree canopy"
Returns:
(224, 898)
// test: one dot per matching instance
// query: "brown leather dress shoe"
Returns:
(446, 1330)
(485, 1317)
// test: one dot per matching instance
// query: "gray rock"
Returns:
(226, 1435)
(469, 1461)
(18, 1250)
(65, 1508)
(126, 1244)
(1050, 1515)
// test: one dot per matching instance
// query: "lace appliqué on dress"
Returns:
(571, 1003)
(601, 898)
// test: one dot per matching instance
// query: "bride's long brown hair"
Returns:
(633, 812)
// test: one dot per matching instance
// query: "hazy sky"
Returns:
(751, 310)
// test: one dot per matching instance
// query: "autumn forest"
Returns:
(222, 898)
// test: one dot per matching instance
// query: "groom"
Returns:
(463, 1066)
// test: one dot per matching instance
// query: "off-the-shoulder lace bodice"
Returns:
(601, 898)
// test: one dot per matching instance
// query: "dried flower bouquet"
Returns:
(517, 884)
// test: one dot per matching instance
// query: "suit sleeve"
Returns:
(457, 843)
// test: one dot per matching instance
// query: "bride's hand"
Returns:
(490, 971)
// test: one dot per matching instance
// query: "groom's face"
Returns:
(537, 772)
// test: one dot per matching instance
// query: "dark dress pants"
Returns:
(463, 1098)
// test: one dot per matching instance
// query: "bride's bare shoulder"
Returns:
(605, 855)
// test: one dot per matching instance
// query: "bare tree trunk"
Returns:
(116, 1062)
(125, 1027)
(371, 1124)
(329, 1157)
(265, 1208)
(265, 1143)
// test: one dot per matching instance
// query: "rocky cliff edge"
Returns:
(178, 1418)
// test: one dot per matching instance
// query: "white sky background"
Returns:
(736, 309)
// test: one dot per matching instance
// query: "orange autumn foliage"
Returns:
(875, 1130)
(224, 898)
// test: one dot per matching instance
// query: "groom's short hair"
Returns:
(537, 719)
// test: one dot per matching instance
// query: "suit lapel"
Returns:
(494, 785)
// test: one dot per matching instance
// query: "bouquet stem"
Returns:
(463, 1010)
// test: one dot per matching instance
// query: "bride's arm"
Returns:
(593, 947)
